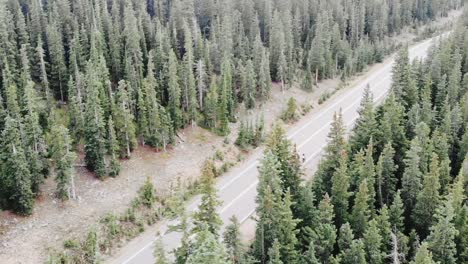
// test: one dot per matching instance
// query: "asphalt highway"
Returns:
(237, 189)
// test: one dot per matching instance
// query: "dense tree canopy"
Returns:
(133, 72)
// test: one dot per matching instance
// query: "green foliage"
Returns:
(207, 249)
(291, 112)
(159, 253)
(147, 194)
(232, 240)
(250, 134)
(60, 150)
(206, 217)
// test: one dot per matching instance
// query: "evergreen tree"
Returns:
(441, 239)
(232, 240)
(331, 158)
(428, 199)
(94, 130)
(386, 178)
(57, 56)
(411, 181)
(340, 191)
(182, 252)
(373, 243)
(345, 238)
(274, 253)
(361, 209)
(397, 212)
(309, 256)
(123, 118)
(33, 137)
(287, 236)
(60, 149)
(290, 165)
(174, 91)
(355, 254)
(423, 255)
(207, 217)
(324, 233)
(366, 124)
(113, 149)
(207, 249)
(251, 86)
(15, 172)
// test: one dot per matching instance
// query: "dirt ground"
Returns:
(27, 240)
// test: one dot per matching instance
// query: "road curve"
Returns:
(237, 188)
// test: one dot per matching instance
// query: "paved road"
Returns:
(237, 189)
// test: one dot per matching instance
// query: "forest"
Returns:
(394, 191)
(98, 78)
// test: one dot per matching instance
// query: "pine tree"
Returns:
(428, 199)
(361, 210)
(286, 154)
(332, 153)
(94, 130)
(174, 92)
(423, 255)
(113, 149)
(33, 137)
(57, 55)
(227, 90)
(324, 233)
(391, 124)
(251, 86)
(15, 171)
(309, 256)
(386, 178)
(397, 212)
(222, 110)
(188, 78)
(345, 238)
(411, 181)
(274, 253)
(207, 249)
(123, 118)
(441, 240)
(340, 191)
(355, 254)
(366, 124)
(267, 217)
(60, 149)
(207, 216)
(182, 252)
(210, 106)
(385, 228)
(264, 78)
(232, 240)
(288, 232)
(373, 243)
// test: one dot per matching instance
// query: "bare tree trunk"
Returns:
(316, 76)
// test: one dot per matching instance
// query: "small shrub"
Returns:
(147, 194)
(324, 97)
(306, 108)
(290, 113)
(90, 247)
(219, 155)
(250, 135)
(71, 243)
